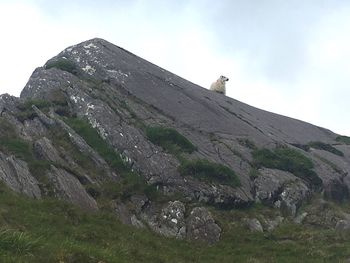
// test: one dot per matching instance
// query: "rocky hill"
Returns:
(104, 129)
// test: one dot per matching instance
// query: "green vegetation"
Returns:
(330, 164)
(26, 110)
(91, 136)
(63, 64)
(343, 139)
(16, 146)
(130, 183)
(12, 144)
(27, 104)
(326, 147)
(320, 146)
(67, 234)
(254, 173)
(16, 242)
(169, 139)
(304, 147)
(210, 172)
(247, 143)
(287, 159)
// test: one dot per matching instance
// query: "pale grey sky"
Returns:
(291, 57)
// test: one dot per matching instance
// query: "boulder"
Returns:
(271, 224)
(300, 218)
(254, 225)
(170, 221)
(342, 225)
(201, 226)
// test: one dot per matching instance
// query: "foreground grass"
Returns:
(52, 231)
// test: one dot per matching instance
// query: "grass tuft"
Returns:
(343, 139)
(91, 136)
(18, 243)
(289, 160)
(26, 111)
(326, 147)
(63, 64)
(169, 139)
(210, 172)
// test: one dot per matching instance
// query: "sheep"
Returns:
(219, 85)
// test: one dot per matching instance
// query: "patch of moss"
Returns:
(27, 104)
(169, 139)
(210, 172)
(26, 111)
(16, 146)
(326, 147)
(91, 136)
(130, 182)
(63, 64)
(343, 139)
(254, 173)
(7, 130)
(11, 144)
(289, 160)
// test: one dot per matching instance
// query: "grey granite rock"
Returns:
(293, 195)
(116, 90)
(169, 221)
(16, 175)
(201, 226)
(270, 183)
(300, 218)
(172, 220)
(342, 225)
(254, 225)
(120, 94)
(68, 188)
(44, 149)
(272, 224)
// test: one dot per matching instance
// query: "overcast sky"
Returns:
(291, 57)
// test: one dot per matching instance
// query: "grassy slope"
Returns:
(53, 231)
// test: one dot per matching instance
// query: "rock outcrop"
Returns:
(16, 175)
(120, 96)
(67, 187)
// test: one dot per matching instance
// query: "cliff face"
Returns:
(96, 115)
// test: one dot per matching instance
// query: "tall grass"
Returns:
(45, 231)
(16, 242)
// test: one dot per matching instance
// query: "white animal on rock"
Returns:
(219, 85)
